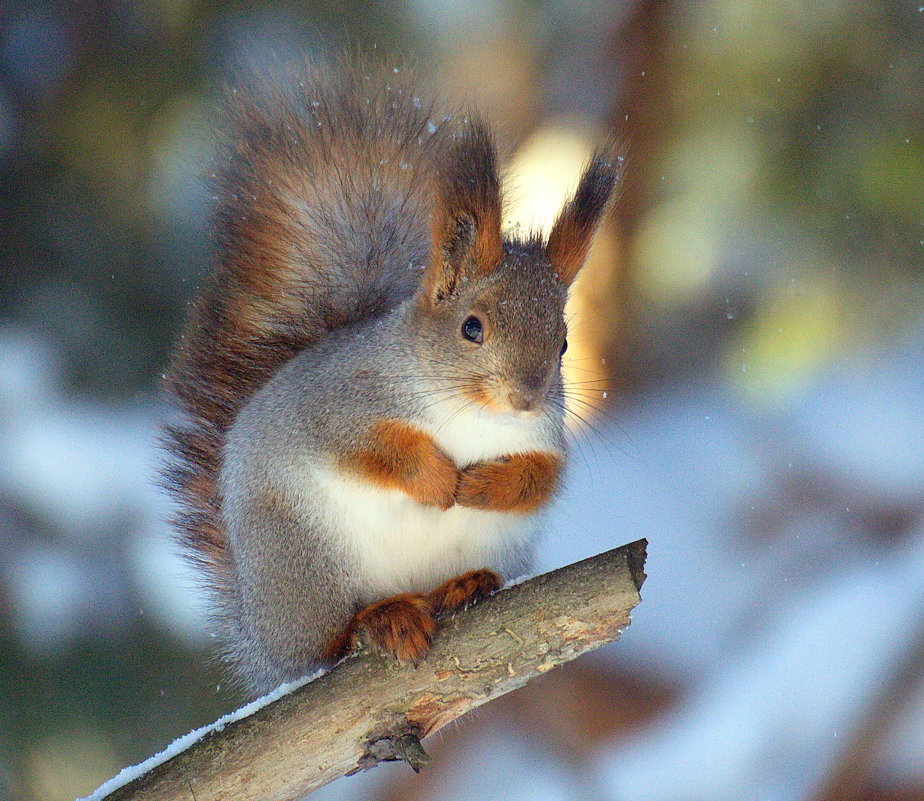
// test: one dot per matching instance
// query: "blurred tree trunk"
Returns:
(642, 114)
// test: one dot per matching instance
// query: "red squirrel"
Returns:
(370, 384)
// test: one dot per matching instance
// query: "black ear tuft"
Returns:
(573, 231)
(467, 217)
(470, 182)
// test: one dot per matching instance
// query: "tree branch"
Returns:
(369, 709)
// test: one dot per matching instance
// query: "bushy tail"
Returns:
(321, 204)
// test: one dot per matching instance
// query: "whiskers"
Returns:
(444, 390)
(456, 388)
(583, 406)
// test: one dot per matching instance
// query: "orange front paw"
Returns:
(401, 626)
(519, 483)
(435, 480)
(461, 591)
(397, 455)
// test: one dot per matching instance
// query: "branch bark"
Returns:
(369, 709)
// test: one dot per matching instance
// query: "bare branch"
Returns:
(369, 709)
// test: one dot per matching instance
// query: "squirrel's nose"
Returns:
(527, 395)
(523, 401)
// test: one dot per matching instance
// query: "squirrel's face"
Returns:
(491, 312)
(496, 342)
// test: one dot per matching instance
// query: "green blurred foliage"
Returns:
(787, 184)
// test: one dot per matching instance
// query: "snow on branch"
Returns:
(369, 709)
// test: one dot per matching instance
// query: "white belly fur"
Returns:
(403, 546)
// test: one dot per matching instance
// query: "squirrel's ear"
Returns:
(574, 229)
(466, 222)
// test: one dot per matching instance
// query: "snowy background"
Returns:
(748, 345)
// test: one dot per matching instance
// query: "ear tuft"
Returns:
(574, 229)
(467, 219)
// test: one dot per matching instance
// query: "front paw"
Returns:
(519, 483)
(435, 481)
(401, 626)
(465, 590)
(398, 455)
(480, 485)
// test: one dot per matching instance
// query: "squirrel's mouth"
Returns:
(516, 402)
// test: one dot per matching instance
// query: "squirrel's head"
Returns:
(491, 310)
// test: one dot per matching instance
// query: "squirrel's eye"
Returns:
(472, 330)
(564, 347)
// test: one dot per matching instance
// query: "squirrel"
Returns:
(372, 408)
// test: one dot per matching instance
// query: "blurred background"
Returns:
(747, 357)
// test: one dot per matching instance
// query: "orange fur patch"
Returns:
(399, 456)
(461, 591)
(401, 626)
(475, 391)
(568, 247)
(520, 483)
(489, 244)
